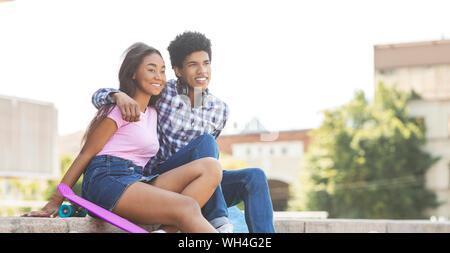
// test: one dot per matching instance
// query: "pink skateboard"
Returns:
(102, 213)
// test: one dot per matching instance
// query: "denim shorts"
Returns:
(107, 177)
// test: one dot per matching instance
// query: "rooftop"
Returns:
(425, 53)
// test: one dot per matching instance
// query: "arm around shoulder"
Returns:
(104, 96)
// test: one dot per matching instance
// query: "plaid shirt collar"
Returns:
(179, 88)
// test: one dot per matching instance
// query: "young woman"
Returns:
(115, 152)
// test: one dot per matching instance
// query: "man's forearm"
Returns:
(103, 96)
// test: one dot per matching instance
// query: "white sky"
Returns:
(281, 61)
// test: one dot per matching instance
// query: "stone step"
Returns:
(289, 225)
(283, 224)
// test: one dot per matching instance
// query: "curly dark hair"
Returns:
(185, 44)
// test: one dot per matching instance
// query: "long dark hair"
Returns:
(133, 58)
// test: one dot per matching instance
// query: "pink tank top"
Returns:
(133, 141)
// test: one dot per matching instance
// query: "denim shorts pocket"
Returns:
(95, 164)
(120, 169)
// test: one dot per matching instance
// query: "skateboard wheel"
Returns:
(65, 211)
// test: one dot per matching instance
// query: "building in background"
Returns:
(425, 68)
(28, 140)
(28, 137)
(279, 154)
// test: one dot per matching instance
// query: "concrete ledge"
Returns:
(59, 225)
(286, 225)
(415, 226)
(345, 226)
(283, 224)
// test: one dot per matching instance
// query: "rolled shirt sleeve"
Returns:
(102, 97)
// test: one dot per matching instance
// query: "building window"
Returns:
(387, 72)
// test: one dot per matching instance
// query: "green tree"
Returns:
(229, 163)
(367, 160)
(66, 161)
(34, 189)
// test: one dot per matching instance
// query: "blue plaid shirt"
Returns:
(178, 123)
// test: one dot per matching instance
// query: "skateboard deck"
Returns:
(100, 212)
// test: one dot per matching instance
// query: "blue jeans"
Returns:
(248, 185)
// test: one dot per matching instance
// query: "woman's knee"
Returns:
(211, 168)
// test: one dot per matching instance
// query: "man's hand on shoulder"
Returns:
(129, 108)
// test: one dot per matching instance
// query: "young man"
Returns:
(189, 120)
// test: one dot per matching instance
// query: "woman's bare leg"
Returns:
(145, 204)
(205, 175)
(197, 179)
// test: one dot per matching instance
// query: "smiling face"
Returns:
(196, 70)
(150, 75)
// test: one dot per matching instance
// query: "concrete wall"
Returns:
(282, 223)
(436, 117)
(431, 82)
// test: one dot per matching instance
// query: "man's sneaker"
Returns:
(225, 228)
(159, 231)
